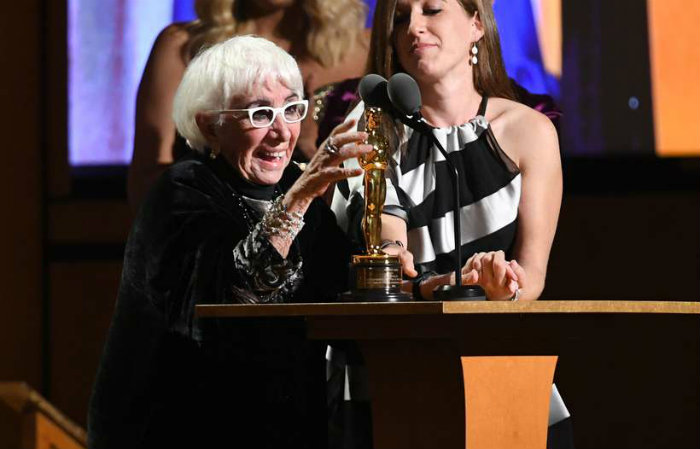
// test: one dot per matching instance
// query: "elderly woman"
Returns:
(229, 223)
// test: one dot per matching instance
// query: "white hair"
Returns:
(225, 70)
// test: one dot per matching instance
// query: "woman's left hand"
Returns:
(499, 278)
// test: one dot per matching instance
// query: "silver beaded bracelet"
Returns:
(279, 221)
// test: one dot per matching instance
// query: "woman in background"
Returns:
(326, 37)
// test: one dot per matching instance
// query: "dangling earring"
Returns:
(474, 51)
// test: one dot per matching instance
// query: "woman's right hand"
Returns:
(405, 259)
(324, 168)
(496, 275)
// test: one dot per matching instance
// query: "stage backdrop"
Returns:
(636, 62)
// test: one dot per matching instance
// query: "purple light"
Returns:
(108, 45)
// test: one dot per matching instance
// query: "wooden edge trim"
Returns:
(662, 307)
(447, 308)
(318, 309)
(24, 399)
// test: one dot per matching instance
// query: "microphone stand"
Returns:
(457, 292)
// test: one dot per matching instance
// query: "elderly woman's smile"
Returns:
(258, 149)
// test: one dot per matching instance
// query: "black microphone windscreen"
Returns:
(404, 93)
(373, 91)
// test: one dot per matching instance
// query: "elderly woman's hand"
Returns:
(499, 278)
(324, 168)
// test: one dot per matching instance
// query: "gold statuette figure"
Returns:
(375, 276)
(374, 164)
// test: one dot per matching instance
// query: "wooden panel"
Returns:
(10, 425)
(639, 246)
(416, 392)
(507, 401)
(56, 111)
(89, 221)
(47, 435)
(633, 371)
(21, 194)
(35, 423)
(82, 300)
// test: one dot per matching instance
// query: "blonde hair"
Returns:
(335, 27)
(489, 75)
(226, 70)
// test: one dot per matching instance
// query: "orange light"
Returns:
(548, 20)
(675, 70)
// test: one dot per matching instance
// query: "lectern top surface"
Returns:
(446, 308)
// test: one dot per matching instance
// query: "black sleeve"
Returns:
(326, 251)
(261, 274)
(178, 253)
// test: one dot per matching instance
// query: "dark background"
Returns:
(605, 64)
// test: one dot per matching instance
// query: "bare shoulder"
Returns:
(522, 132)
(173, 34)
(167, 60)
(172, 38)
(162, 74)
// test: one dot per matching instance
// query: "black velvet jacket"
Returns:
(168, 379)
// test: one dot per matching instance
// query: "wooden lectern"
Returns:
(28, 421)
(629, 372)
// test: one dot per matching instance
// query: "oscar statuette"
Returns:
(375, 276)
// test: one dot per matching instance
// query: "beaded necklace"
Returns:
(247, 210)
(274, 217)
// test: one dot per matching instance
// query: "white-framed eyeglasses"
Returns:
(263, 116)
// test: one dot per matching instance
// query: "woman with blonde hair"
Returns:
(326, 37)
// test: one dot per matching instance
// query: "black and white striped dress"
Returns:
(419, 190)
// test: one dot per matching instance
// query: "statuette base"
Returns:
(375, 278)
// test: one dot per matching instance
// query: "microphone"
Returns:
(404, 95)
(373, 91)
(400, 98)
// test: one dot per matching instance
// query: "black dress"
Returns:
(168, 379)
